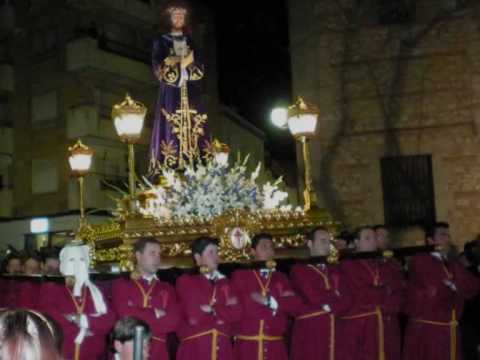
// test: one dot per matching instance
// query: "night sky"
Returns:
(254, 64)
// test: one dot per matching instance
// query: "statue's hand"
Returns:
(171, 60)
(187, 60)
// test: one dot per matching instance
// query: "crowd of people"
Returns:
(365, 308)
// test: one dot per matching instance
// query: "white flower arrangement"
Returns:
(207, 190)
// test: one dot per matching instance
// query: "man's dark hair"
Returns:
(50, 253)
(345, 235)
(472, 252)
(17, 338)
(200, 244)
(9, 258)
(140, 244)
(124, 329)
(380, 226)
(430, 230)
(311, 233)
(358, 231)
(261, 236)
(32, 256)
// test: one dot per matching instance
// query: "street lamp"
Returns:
(128, 118)
(80, 160)
(279, 117)
(301, 119)
(302, 123)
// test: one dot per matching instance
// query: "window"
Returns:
(44, 109)
(408, 194)
(123, 41)
(44, 176)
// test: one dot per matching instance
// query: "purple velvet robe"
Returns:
(168, 101)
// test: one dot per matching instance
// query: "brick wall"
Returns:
(390, 91)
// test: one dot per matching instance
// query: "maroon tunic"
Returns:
(57, 301)
(433, 308)
(261, 330)
(370, 327)
(26, 294)
(206, 335)
(137, 298)
(314, 332)
(19, 293)
(8, 293)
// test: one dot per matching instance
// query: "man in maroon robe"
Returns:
(437, 290)
(26, 291)
(326, 295)
(370, 328)
(145, 297)
(210, 306)
(78, 306)
(12, 265)
(267, 299)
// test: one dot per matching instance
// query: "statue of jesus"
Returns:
(179, 128)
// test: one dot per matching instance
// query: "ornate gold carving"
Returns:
(128, 106)
(187, 126)
(334, 255)
(194, 73)
(387, 254)
(168, 151)
(176, 235)
(170, 74)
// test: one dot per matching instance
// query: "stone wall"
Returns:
(402, 89)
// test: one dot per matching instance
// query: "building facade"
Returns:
(397, 83)
(63, 65)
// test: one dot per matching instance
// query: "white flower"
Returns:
(210, 190)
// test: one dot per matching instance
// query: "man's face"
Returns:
(14, 266)
(31, 267)
(51, 266)
(148, 261)
(125, 350)
(366, 241)
(209, 257)
(264, 250)
(320, 245)
(441, 237)
(383, 238)
(177, 19)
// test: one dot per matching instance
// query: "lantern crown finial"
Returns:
(80, 158)
(128, 106)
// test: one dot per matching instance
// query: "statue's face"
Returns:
(177, 19)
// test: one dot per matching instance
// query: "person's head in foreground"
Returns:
(51, 262)
(318, 241)
(365, 239)
(262, 247)
(12, 264)
(28, 335)
(148, 256)
(205, 253)
(123, 336)
(438, 234)
(32, 265)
